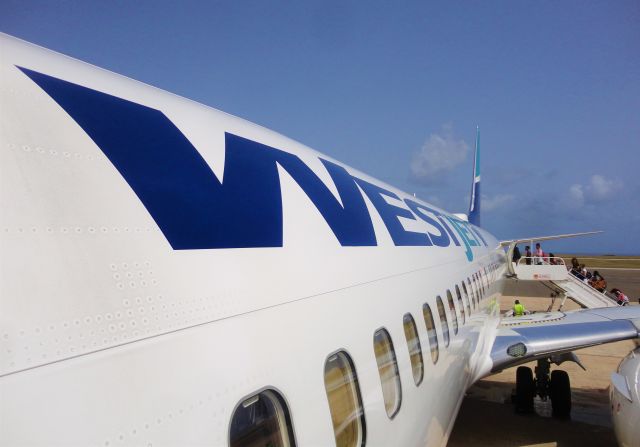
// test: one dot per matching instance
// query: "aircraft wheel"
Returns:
(560, 394)
(525, 390)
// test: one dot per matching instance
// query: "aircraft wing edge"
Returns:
(546, 238)
(517, 345)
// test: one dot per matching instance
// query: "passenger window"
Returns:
(461, 305)
(476, 288)
(452, 308)
(388, 369)
(472, 285)
(466, 296)
(473, 298)
(415, 350)
(262, 419)
(345, 403)
(431, 332)
(443, 321)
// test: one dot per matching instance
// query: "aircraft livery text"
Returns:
(195, 210)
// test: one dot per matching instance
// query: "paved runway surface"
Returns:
(627, 280)
(487, 417)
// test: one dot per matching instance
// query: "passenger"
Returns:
(588, 275)
(552, 260)
(574, 264)
(518, 309)
(539, 255)
(598, 282)
(583, 273)
(621, 298)
(575, 271)
(516, 255)
(527, 255)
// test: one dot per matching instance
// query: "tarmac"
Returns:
(627, 280)
(487, 417)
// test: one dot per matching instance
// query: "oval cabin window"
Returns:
(431, 332)
(477, 288)
(345, 403)
(466, 297)
(443, 321)
(415, 350)
(461, 305)
(473, 298)
(454, 315)
(388, 369)
(262, 419)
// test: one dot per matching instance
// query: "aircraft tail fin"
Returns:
(474, 205)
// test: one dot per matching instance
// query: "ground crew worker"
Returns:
(518, 309)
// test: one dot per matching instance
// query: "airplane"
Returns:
(624, 395)
(174, 275)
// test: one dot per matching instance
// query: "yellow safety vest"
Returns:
(518, 310)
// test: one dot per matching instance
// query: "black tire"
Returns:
(525, 390)
(560, 394)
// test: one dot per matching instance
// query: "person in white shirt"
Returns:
(539, 255)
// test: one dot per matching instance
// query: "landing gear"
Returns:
(525, 390)
(560, 394)
(542, 378)
(554, 385)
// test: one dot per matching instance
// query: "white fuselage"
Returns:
(110, 336)
(625, 400)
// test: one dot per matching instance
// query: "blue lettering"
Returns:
(464, 236)
(475, 231)
(191, 206)
(440, 240)
(195, 210)
(447, 228)
(390, 213)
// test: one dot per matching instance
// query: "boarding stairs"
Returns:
(554, 274)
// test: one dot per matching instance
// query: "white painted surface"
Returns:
(625, 404)
(543, 272)
(110, 337)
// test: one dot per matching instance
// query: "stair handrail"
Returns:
(542, 260)
(587, 286)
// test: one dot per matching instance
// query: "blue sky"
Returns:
(396, 90)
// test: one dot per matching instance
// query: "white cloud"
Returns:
(598, 189)
(497, 201)
(439, 154)
(601, 188)
(576, 194)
